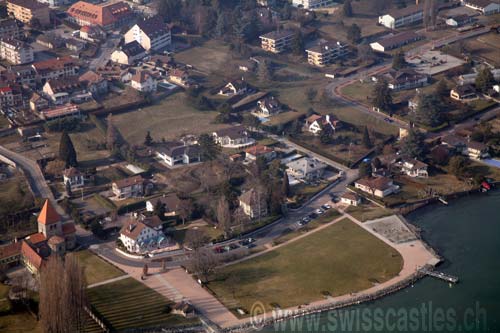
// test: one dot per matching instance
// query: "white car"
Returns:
(319, 211)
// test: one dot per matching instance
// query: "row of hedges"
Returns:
(132, 207)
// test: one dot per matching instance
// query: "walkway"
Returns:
(126, 276)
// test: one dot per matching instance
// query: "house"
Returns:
(476, 150)
(61, 90)
(55, 68)
(73, 177)
(74, 45)
(379, 186)
(257, 151)
(316, 123)
(351, 199)
(129, 53)
(459, 20)
(152, 33)
(143, 81)
(28, 10)
(404, 79)
(414, 168)
(94, 82)
(136, 234)
(463, 93)
(9, 28)
(49, 41)
(16, 52)
(59, 111)
(11, 95)
(471, 78)
(253, 204)
(268, 106)
(398, 40)
(175, 153)
(486, 7)
(38, 102)
(311, 4)
(398, 18)
(237, 87)
(108, 15)
(456, 143)
(92, 33)
(277, 41)
(10, 254)
(326, 52)
(171, 202)
(50, 224)
(129, 187)
(179, 77)
(233, 137)
(306, 169)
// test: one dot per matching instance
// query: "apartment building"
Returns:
(325, 53)
(27, 10)
(9, 28)
(152, 34)
(107, 15)
(277, 41)
(312, 4)
(485, 7)
(402, 17)
(55, 68)
(16, 52)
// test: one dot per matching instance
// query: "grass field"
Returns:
(169, 119)
(367, 212)
(128, 304)
(96, 269)
(485, 46)
(340, 259)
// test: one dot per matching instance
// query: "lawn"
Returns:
(367, 212)
(129, 304)
(341, 259)
(96, 269)
(169, 119)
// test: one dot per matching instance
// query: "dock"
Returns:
(440, 275)
(443, 201)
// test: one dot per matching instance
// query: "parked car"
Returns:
(326, 207)
(306, 220)
(319, 211)
(312, 216)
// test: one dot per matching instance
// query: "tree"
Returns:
(96, 228)
(265, 73)
(62, 295)
(195, 239)
(311, 94)
(160, 209)
(325, 135)
(367, 141)
(111, 134)
(442, 89)
(221, 26)
(67, 151)
(365, 169)
(458, 165)
(203, 263)
(413, 144)
(148, 140)
(399, 61)
(224, 215)
(208, 147)
(428, 112)
(354, 33)
(145, 270)
(382, 96)
(484, 80)
(55, 167)
(185, 209)
(347, 8)
(298, 43)
(285, 185)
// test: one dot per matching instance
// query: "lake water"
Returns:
(467, 235)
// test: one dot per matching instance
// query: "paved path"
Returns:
(126, 276)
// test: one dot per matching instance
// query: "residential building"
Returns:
(316, 123)
(38, 103)
(56, 3)
(136, 234)
(476, 150)
(398, 18)
(325, 53)
(62, 90)
(459, 20)
(94, 82)
(74, 45)
(236, 87)
(128, 187)
(170, 201)
(254, 152)
(10, 95)
(108, 15)
(49, 41)
(128, 54)
(143, 81)
(9, 29)
(59, 111)
(486, 7)
(379, 187)
(10, 254)
(268, 106)
(55, 68)
(92, 33)
(50, 224)
(16, 52)
(456, 143)
(73, 177)
(351, 199)
(233, 137)
(311, 4)
(253, 204)
(404, 79)
(471, 78)
(277, 41)
(398, 40)
(28, 10)
(306, 169)
(152, 33)
(179, 77)
(414, 168)
(463, 93)
(177, 153)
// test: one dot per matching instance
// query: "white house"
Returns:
(403, 79)
(136, 235)
(171, 202)
(486, 7)
(129, 53)
(306, 168)
(143, 81)
(268, 106)
(253, 204)
(174, 153)
(459, 20)
(311, 4)
(315, 123)
(237, 87)
(128, 187)
(152, 34)
(402, 17)
(379, 186)
(476, 150)
(73, 177)
(233, 137)
(351, 199)
(254, 152)
(414, 168)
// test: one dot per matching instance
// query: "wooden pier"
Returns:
(440, 275)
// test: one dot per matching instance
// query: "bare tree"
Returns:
(224, 215)
(195, 239)
(185, 209)
(203, 263)
(111, 133)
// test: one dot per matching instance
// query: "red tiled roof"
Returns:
(126, 182)
(36, 238)
(56, 240)
(10, 250)
(103, 15)
(258, 150)
(53, 64)
(48, 215)
(68, 228)
(31, 255)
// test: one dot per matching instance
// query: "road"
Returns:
(105, 52)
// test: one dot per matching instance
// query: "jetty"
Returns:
(440, 275)
(443, 201)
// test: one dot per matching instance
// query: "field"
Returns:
(96, 269)
(128, 304)
(367, 212)
(485, 46)
(304, 270)
(169, 119)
